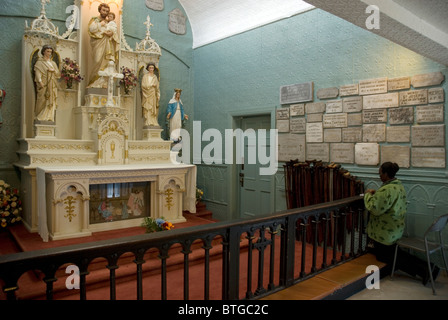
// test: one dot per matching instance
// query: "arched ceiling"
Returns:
(419, 25)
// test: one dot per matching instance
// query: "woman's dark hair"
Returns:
(45, 47)
(151, 64)
(390, 168)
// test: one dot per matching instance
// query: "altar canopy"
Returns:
(92, 164)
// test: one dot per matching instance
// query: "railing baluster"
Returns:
(326, 220)
(360, 229)
(139, 262)
(207, 246)
(315, 224)
(112, 266)
(261, 245)
(303, 226)
(335, 235)
(271, 285)
(353, 231)
(163, 255)
(250, 238)
(344, 234)
(186, 251)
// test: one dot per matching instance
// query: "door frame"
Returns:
(233, 122)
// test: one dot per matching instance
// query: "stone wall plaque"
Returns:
(314, 117)
(413, 97)
(177, 22)
(297, 110)
(403, 115)
(291, 147)
(374, 116)
(332, 135)
(427, 79)
(398, 154)
(367, 154)
(335, 120)
(327, 93)
(157, 5)
(334, 106)
(373, 86)
(282, 113)
(399, 83)
(380, 101)
(352, 134)
(314, 132)
(429, 113)
(374, 132)
(283, 125)
(428, 157)
(315, 107)
(342, 152)
(349, 90)
(352, 104)
(436, 95)
(318, 151)
(354, 119)
(398, 134)
(297, 125)
(296, 93)
(428, 136)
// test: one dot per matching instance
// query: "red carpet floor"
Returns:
(32, 287)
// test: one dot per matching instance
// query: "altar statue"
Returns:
(150, 96)
(46, 77)
(175, 115)
(105, 44)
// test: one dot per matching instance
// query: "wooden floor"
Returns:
(331, 282)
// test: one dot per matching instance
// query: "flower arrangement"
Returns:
(10, 205)
(129, 79)
(70, 72)
(199, 194)
(155, 225)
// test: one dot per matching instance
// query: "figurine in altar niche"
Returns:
(150, 96)
(175, 116)
(104, 42)
(136, 203)
(46, 75)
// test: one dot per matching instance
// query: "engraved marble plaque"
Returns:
(428, 157)
(314, 117)
(282, 113)
(315, 107)
(314, 132)
(291, 147)
(352, 104)
(436, 95)
(335, 120)
(297, 110)
(296, 93)
(156, 5)
(403, 115)
(318, 151)
(413, 97)
(334, 106)
(327, 93)
(427, 79)
(401, 155)
(352, 134)
(373, 86)
(367, 154)
(374, 132)
(342, 152)
(380, 101)
(283, 125)
(177, 22)
(297, 125)
(398, 134)
(429, 113)
(428, 136)
(399, 83)
(374, 116)
(349, 90)
(354, 119)
(333, 135)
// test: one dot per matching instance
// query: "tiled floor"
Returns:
(403, 287)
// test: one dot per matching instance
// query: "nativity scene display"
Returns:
(119, 201)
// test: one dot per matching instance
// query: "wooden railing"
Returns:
(257, 256)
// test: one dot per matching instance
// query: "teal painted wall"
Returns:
(243, 73)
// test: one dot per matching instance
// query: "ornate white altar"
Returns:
(97, 138)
